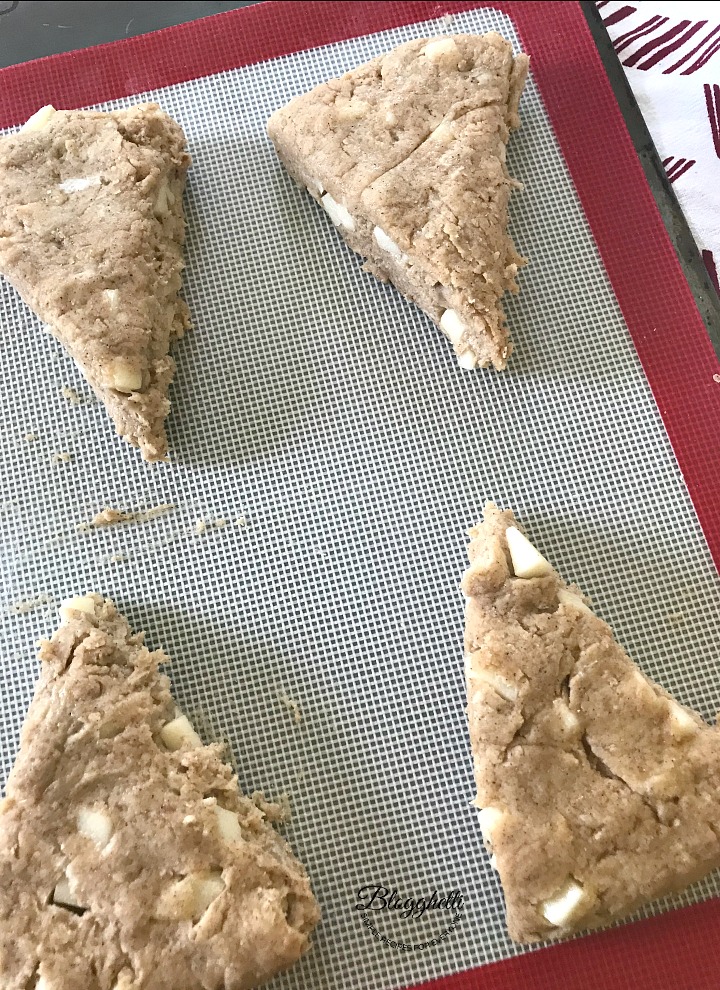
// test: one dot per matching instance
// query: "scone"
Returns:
(129, 860)
(407, 155)
(598, 791)
(91, 236)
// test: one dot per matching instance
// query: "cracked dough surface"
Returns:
(91, 235)
(413, 143)
(598, 782)
(179, 881)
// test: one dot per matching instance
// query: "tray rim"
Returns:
(656, 300)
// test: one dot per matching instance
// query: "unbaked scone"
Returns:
(599, 792)
(129, 860)
(407, 156)
(91, 236)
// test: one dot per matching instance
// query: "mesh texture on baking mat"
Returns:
(327, 423)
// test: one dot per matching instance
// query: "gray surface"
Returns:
(313, 401)
(36, 28)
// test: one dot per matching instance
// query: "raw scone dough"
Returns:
(407, 155)
(128, 858)
(91, 235)
(598, 791)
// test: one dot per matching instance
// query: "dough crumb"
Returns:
(448, 19)
(291, 705)
(30, 437)
(676, 618)
(118, 558)
(203, 525)
(241, 521)
(62, 457)
(275, 811)
(22, 608)
(112, 517)
(73, 397)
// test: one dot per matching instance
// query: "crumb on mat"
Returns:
(72, 395)
(292, 706)
(275, 811)
(112, 517)
(22, 608)
(203, 525)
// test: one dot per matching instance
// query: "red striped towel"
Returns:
(670, 54)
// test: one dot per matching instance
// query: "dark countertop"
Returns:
(35, 28)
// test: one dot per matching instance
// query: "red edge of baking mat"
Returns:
(669, 951)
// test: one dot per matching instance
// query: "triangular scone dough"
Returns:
(91, 235)
(407, 155)
(598, 791)
(128, 858)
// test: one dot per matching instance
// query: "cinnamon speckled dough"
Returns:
(600, 792)
(184, 884)
(91, 235)
(410, 150)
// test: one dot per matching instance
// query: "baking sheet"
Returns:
(326, 422)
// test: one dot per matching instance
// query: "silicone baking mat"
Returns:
(328, 455)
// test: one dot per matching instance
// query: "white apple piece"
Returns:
(38, 119)
(438, 49)
(452, 326)
(229, 824)
(682, 724)
(561, 908)
(489, 818)
(566, 597)
(95, 825)
(468, 361)
(179, 734)
(82, 603)
(189, 898)
(568, 719)
(337, 212)
(527, 562)
(63, 895)
(78, 185)
(501, 685)
(388, 245)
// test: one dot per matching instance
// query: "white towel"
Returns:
(670, 52)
